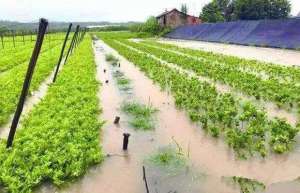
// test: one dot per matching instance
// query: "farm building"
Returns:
(175, 18)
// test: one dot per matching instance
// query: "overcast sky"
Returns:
(97, 10)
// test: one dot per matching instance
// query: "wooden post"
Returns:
(13, 33)
(83, 34)
(125, 141)
(117, 120)
(77, 37)
(2, 41)
(145, 179)
(62, 52)
(72, 44)
(35, 54)
(23, 37)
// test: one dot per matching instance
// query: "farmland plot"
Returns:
(196, 122)
(52, 144)
(244, 126)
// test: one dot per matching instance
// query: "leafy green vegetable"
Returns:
(59, 139)
(142, 115)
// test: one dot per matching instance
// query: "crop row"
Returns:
(20, 56)
(269, 70)
(282, 93)
(59, 139)
(28, 39)
(11, 81)
(244, 127)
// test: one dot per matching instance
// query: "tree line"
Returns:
(232, 10)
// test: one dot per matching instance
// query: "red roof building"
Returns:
(175, 18)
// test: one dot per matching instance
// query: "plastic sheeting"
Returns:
(268, 33)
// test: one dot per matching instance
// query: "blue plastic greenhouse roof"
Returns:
(268, 33)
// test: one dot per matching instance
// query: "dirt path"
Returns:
(277, 56)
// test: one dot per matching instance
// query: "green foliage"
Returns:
(169, 158)
(142, 115)
(282, 136)
(3, 29)
(248, 185)
(112, 59)
(261, 9)
(59, 139)
(122, 81)
(227, 10)
(277, 85)
(184, 9)
(244, 126)
(13, 68)
(151, 26)
(211, 13)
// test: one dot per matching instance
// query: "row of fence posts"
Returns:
(12, 34)
(43, 24)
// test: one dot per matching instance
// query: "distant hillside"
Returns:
(298, 14)
(56, 26)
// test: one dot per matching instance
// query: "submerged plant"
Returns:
(247, 185)
(169, 158)
(122, 81)
(142, 115)
(112, 59)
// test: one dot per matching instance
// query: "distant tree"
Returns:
(184, 8)
(226, 8)
(261, 9)
(279, 9)
(212, 13)
(151, 26)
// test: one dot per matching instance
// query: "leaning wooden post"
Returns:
(83, 34)
(145, 179)
(71, 45)
(62, 52)
(75, 38)
(35, 54)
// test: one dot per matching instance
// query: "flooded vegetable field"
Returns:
(136, 115)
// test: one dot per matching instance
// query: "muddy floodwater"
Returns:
(211, 159)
